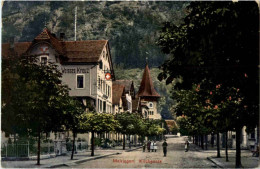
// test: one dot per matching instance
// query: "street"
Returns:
(176, 158)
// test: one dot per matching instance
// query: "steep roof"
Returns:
(146, 87)
(118, 91)
(73, 51)
(126, 83)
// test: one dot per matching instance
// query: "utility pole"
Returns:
(75, 24)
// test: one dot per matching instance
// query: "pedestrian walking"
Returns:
(152, 146)
(164, 145)
(148, 146)
(187, 145)
(144, 145)
(155, 146)
(130, 145)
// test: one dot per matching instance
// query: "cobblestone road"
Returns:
(176, 158)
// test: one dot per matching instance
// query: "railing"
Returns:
(15, 150)
(79, 146)
(25, 149)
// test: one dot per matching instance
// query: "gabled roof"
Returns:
(118, 91)
(84, 51)
(126, 83)
(146, 87)
(73, 51)
(19, 48)
(46, 35)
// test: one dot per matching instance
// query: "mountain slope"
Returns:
(132, 28)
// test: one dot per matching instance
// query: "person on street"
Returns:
(151, 146)
(130, 145)
(144, 145)
(187, 144)
(148, 145)
(164, 145)
(155, 146)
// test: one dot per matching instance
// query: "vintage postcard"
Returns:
(130, 84)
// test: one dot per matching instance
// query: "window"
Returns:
(151, 105)
(99, 82)
(104, 106)
(44, 60)
(150, 112)
(80, 81)
(100, 106)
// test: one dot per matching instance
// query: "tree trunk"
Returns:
(135, 140)
(92, 143)
(212, 140)
(218, 148)
(238, 150)
(73, 145)
(226, 146)
(198, 137)
(193, 140)
(206, 140)
(39, 147)
(123, 141)
(202, 141)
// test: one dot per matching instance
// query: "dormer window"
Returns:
(44, 60)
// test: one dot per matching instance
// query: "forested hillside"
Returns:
(132, 28)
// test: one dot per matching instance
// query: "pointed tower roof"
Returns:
(146, 87)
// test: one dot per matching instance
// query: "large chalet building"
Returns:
(83, 65)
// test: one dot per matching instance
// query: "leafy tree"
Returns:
(129, 123)
(35, 98)
(97, 123)
(201, 50)
(73, 109)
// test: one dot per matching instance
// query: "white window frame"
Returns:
(77, 81)
(150, 103)
(44, 56)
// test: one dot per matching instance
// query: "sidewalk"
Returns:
(64, 160)
(246, 157)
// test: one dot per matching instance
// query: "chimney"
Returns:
(62, 35)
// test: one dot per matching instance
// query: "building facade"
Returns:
(85, 67)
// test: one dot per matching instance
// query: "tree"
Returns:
(201, 50)
(97, 123)
(73, 110)
(35, 97)
(126, 126)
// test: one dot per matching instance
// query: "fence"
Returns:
(79, 146)
(15, 150)
(25, 150)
